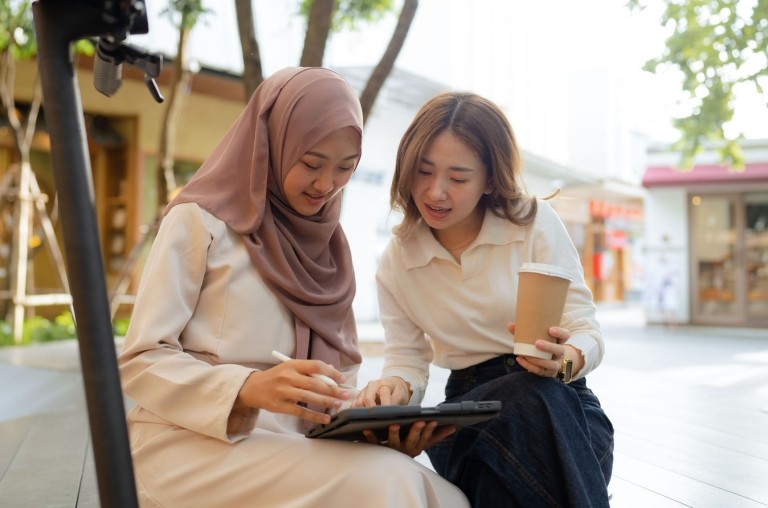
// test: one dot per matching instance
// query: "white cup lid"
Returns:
(543, 268)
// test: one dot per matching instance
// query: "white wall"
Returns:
(365, 215)
(591, 119)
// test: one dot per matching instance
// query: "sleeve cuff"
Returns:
(589, 351)
(418, 387)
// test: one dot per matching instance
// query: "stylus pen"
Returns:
(283, 358)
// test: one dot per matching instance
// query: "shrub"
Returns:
(120, 326)
(39, 329)
(6, 334)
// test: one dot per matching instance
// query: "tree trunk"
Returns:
(318, 28)
(253, 74)
(22, 135)
(387, 62)
(166, 180)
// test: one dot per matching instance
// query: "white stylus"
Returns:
(283, 358)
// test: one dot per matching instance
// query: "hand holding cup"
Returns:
(541, 293)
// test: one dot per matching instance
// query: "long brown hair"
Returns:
(480, 124)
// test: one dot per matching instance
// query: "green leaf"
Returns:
(353, 14)
(715, 45)
(184, 14)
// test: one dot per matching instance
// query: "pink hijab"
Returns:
(305, 260)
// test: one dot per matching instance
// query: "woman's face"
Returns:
(322, 171)
(449, 182)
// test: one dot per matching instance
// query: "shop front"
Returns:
(717, 258)
(729, 257)
(608, 237)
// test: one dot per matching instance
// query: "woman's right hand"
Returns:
(384, 392)
(421, 436)
(281, 388)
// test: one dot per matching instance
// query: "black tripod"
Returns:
(57, 25)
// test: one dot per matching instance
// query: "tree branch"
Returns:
(387, 62)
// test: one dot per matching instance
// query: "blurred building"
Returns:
(601, 208)
(707, 239)
(691, 244)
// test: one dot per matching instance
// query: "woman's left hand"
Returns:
(421, 436)
(550, 368)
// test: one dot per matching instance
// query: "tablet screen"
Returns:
(350, 423)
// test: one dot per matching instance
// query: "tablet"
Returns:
(349, 424)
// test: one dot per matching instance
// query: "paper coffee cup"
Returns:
(541, 294)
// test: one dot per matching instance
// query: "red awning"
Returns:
(668, 176)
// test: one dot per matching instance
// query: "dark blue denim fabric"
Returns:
(552, 444)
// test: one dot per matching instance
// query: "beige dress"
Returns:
(203, 321)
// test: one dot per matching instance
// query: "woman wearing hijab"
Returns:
(250, 258)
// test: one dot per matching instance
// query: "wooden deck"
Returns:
(690, 408)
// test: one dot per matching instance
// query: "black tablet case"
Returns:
(349, 424)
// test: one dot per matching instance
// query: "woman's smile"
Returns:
(436, 212)
(315, 199)
(322, 171)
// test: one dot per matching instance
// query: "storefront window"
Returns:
(756, 254)
(730, 258)
(714, 237)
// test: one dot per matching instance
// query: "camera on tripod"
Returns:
(123, 17)
(126, 16)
